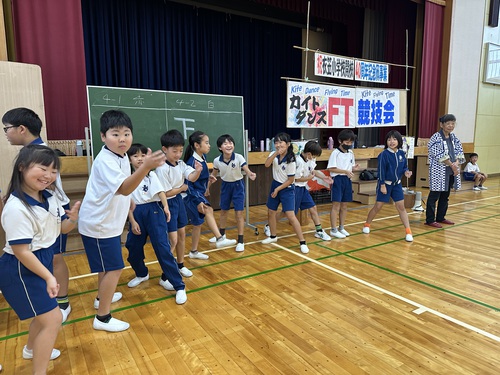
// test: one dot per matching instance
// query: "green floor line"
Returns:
(318, 243)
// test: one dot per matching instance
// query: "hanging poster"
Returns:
(320, 106)
(368, 71)
(380, 107)
(312, 105)
(333, 66)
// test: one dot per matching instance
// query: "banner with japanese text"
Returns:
(367, 71)
(312, 105)
(320, 106)
(380, 107)
(333, 66)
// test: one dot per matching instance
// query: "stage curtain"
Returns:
(49, 33)
(168, 46)
(431, 69)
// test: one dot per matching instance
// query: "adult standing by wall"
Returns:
(445, 156)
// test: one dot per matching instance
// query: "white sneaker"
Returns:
(322, 235)
(28, 353)
(223, 242)
(137, 280)
(166, 285)
(116, 297)
(344, 232)
(181, 297)
(267, 230)
(114, 325)
(213, 239)
(336, 234)
(366, 230)
(185, 272)
(270, 240)
(240, 247)
(476, 188)
(65, 313)
(409, 238)
(304, 249)
(198, 255)
(483, 187)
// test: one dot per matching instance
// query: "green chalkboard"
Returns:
(154, 112)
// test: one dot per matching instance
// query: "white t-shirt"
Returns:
(39, 228)
(471, 168)
(282, 169)
(173, 176)
(148, 190)
(230, 171)
(103, 212)
(304, 169)
(341, 160)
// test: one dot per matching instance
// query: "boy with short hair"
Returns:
(473, 173)
(173, 175)
(23, 127)
(105, 208)
(341, 164)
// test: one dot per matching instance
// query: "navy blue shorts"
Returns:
(59, 247)
(341, 189)
(286, 197)
(393, 191)
(25, 291)
(468, 176)
(178, 215)
(232, 192)
(103, 254)
(303, 200)
(194, 216)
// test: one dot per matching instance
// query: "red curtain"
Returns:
(431, 69)
(49, 33)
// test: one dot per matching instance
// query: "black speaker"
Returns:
(494, 8)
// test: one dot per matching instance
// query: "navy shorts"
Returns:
(303, 200)
(59, 247)
(103, 254)
(178, 216)
(286, 197)
(194, 216)
(232, 192)
(341, 189)
(393, 191)
(25, 291)
(468, 176)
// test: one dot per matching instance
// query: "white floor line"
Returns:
(420, 308)
(288, 235)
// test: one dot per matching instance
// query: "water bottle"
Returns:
(268, 144)
(79, 148)
(330, 143)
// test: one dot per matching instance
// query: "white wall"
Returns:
(465, 64)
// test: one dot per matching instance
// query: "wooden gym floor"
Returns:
(368, 304)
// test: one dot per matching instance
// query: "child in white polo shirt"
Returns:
(198, 207)
(341, 164)
(105, 208)
(282, 188)
(229, 166)
(173, 175)
(33, 217)
(149, 219)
